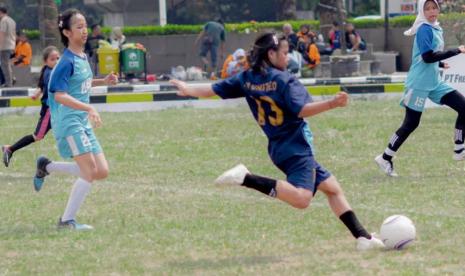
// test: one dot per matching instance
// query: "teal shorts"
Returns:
(416, 98)
(79, 143)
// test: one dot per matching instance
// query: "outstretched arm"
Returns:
(340, 100)
(199, 91)
(110, 79)
(431, 57)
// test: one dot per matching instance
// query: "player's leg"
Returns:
(410, 123)
(341, 208)
(456, 101)
(297, 191)
(79, 191)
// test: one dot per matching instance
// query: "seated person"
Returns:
(23, 51)
(334, 36)
(313, 55)
(296, 60)
(235, 63)
(354, 41)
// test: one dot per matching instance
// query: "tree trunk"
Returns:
(287, 9)
(48, 26)
(330, 11)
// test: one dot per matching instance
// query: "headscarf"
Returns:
(421, 19)
(238, 54)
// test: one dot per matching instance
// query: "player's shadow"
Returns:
(222, 263)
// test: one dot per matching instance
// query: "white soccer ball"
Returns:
(397, 232)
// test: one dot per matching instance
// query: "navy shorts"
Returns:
(304, 172)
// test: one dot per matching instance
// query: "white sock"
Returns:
(64, 167)
(78, 193)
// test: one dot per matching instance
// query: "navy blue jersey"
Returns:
(44, 85)
(275, 99)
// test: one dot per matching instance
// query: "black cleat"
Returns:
(41, 172)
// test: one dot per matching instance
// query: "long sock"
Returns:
(355, 227)
(64, 167)
(261, 184)
(78, 193)
(23, 142)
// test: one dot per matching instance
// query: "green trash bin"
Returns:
(132, 61)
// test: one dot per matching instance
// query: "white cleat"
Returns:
(459, 156)
(386, 166)
(234, 176)
(364, 244)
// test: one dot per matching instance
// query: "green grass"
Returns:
(159, 213)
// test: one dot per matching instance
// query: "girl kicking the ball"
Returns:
(70, 85)
(279, 103)
(423, 82)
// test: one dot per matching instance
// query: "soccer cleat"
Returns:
(234, 176)
(73, 225)
(41, 172)
(459, 156)
(6, 155)
(364, 244)
(386, 166)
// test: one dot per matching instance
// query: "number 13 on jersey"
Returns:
(275, 118)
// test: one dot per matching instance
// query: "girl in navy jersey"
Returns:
(279, 102)
(50, 58)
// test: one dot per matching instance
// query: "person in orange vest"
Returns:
(23, 51)
(234, 64)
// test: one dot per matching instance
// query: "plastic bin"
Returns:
(132, 61)
(108, 60)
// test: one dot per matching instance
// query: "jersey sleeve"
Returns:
(425, 38)
(59, 80)
(297, 96)
(229, 88)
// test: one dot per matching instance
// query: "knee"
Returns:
(101, 174)
(38, 138)
(303, 201)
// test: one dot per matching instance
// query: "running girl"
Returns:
(50, 58)
(279, 103)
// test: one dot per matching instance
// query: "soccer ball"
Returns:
(397, 232)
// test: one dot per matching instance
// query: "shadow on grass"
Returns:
(209, 264)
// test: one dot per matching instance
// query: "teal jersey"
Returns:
(425, 76)
(72, 75)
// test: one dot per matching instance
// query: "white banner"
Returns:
(454, 76)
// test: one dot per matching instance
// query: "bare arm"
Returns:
(2, 37)
(110, 79)
(340, 100)
(66, 99)
(202, 33)
(199, 91)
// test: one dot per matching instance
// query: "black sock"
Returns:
(26, 140)
(351, 222)
(261, 184)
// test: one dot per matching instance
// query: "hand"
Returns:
(462, 49)
(446, 66)
(34, 97)
(181, 86)
(111, 79)
(340, 100)
(94, 117)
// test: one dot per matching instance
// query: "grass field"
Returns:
(159, 213)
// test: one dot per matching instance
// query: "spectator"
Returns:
(313, 55)
(23, 51)
(354, 41)
(92, 45)
(117, 38)
(305, 37)
(294, 65)
(7, 44)
(212, 36)
(289, 34)
(235, 63)
(334, 36)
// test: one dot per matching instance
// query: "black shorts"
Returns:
(44, 124)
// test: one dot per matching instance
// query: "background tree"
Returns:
(48, 26)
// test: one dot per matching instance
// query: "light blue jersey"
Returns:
(423, 80)
(71, 127)
(72, 75)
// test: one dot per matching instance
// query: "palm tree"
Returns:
(48, 25)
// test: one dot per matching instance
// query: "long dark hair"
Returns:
(64, 23)
(47, 51)
(258, 55)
